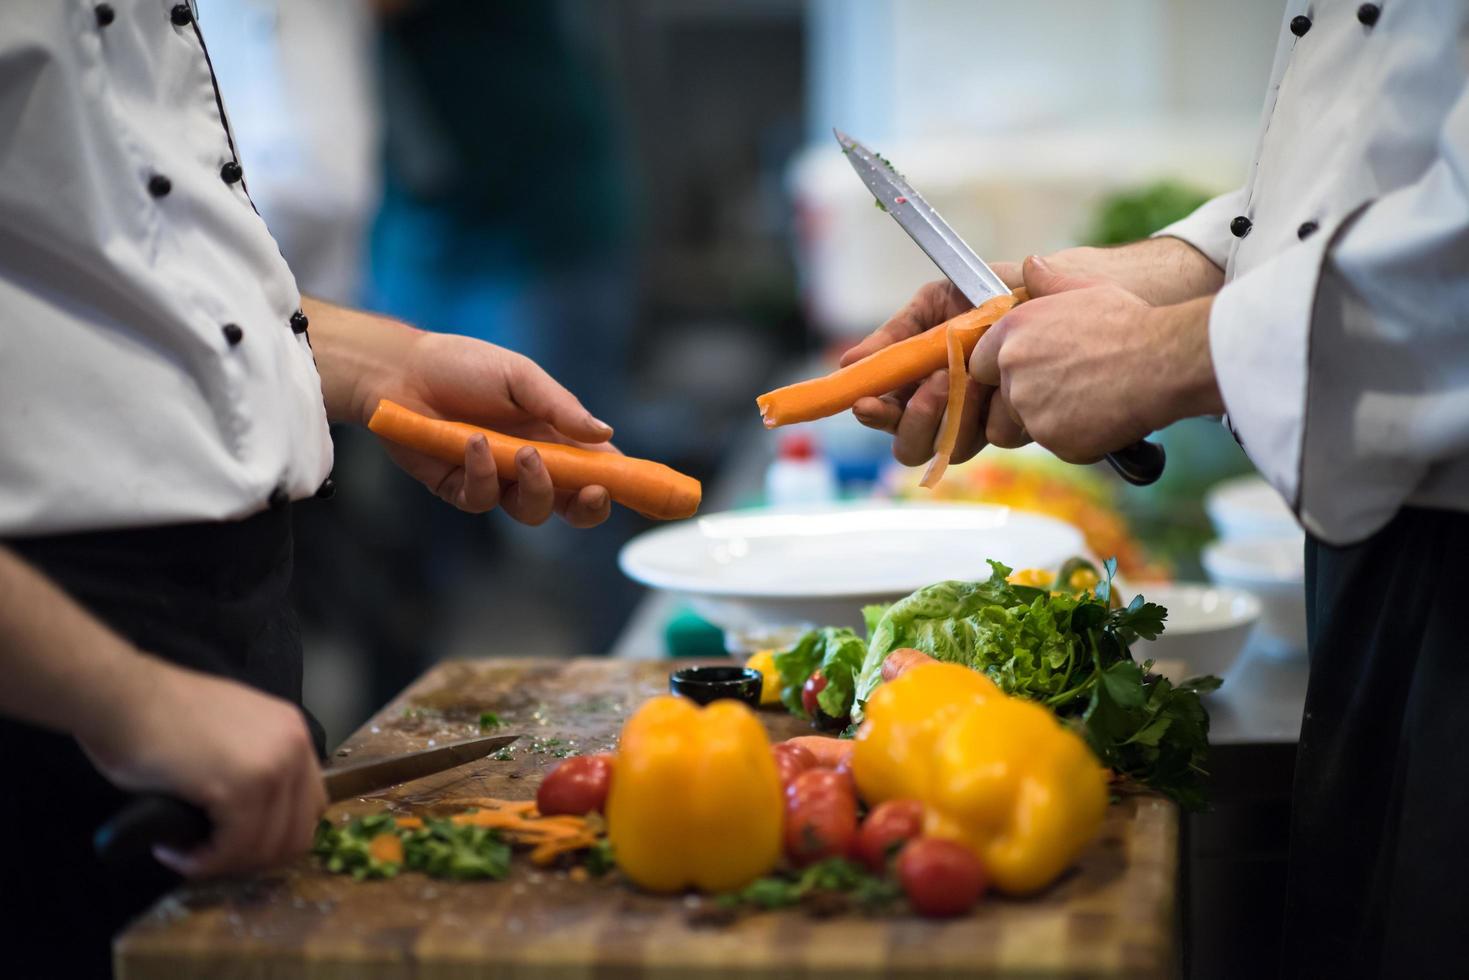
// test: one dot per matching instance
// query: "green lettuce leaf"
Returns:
(1021, 637)
(837, 653)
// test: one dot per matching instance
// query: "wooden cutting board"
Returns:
(1112, 916)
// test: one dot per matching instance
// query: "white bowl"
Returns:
(1274, 571)
(768, 572)
(1206, 629)
(1249, 507)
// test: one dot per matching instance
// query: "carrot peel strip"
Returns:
(953, 413)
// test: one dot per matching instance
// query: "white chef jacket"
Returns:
(1341, 336)
(154, 368)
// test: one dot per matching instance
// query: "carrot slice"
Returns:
(649, 488)
(882, 371)
(387, 848)
(949, 428)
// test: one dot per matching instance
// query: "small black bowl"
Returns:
(705, 684)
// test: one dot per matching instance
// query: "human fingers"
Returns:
(474, 487)
(914, 438)
(1043, 279)
(1002, 426)
(542, 396)
(984, 363)
(879, 413)
(588, 507)
(531, 498)
(971, 437)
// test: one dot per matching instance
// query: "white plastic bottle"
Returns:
(800, 474)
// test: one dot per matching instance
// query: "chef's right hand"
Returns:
(912, 415)
(243, 756)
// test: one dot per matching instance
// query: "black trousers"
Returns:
(209, 596)
(1379, 863)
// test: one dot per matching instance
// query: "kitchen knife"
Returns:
(159, 819)
(1139, 464)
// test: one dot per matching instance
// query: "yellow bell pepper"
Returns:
(1039, 578)
(695, 799)
(999, 775)
(764, 662)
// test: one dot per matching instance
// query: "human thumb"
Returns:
(1043, 280)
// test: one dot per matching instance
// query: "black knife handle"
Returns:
(1140, 463)
(148, 821)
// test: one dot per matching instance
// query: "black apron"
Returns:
(1379, 863)
(208, 596)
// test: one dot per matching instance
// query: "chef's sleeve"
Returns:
(1344, 361)
(1207, 228)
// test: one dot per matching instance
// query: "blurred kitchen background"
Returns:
(645, 197)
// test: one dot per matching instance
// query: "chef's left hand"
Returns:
(468, 380)
(1087, 367)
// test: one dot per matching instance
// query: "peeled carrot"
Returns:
(649, 488)
(882, 371)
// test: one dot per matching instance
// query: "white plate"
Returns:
(762, 571)
(1205, 632)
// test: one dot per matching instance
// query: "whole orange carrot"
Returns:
(882, 371)
(649, 488)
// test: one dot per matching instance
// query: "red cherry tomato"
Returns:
(940, 878)
(576, 787)
(814, 685)
(821, 817)
(887, 828)
(791, 761)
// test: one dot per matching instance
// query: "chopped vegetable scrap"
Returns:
(827, 887)
(380, 846)
(473, 844)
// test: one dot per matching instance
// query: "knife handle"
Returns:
(1140, 463)
(148, 821)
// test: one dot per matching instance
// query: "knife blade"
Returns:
(1139, 464)
(154, 819)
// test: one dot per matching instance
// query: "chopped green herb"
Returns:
(488, 719)
(599, 859)
(503, 755)
(833, 877)
(879, 205)
(441, 849)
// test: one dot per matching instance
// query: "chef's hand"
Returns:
(471, 381)
(912, 414)
(363, 358)
(245, 757)
(1088, 367)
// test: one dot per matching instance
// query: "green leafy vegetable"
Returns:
(838, 653)
(600, 859)
(831, 877)
(440, 849)
(488, 719)
(1069, 651)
